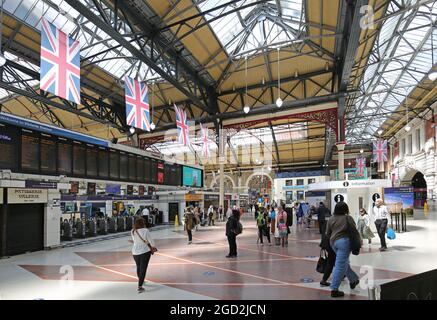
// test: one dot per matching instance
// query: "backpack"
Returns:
(239, 229)
(281, 222)
(260, 221)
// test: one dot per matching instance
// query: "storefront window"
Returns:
(299, 182)
(288, 182)
(312, 180)
(300, 195)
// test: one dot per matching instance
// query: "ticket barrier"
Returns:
(66, 231)
(130, 222)
(102, 226)
(91, 227)
(112, 225)
(80, 229)
(121, 224)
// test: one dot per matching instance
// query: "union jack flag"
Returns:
(137, 104)
(361, 165)
(60, 63)
(380, 150)
(205, 141)
(181, 123)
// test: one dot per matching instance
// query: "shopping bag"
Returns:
(391, 234)
(321, 263)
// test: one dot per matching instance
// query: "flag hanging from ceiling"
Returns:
(205, 141)
(60, 63)
(360, 165)
(380, 150)
(137, 104)
(181, 123)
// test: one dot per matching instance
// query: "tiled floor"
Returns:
(106, 270)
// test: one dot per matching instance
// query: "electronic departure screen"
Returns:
(79, 154)
(91, 162)
(103, 163)
(29, 153)
(48, 155)
(140, 169)
(113, 165)
(132, 168)
(123, 166)
(153, 171)
(8, 159)
(64, 158)
(160, 173)
(147, 170)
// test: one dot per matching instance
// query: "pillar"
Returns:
(222, 159)
(222, 185)
(340, 147)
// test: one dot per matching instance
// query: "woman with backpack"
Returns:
(233, 228)
(339, 229)
(281, 219)
(142, 249)
(263, 226)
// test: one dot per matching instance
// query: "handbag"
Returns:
(322, 262)
(152, 249)
(391, 234)
(354, 237)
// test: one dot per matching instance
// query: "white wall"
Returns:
(52, 215)
(279, 184)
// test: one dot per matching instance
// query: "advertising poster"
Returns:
(113, 189)
(141, 190)
(399, 198)
(91, 189)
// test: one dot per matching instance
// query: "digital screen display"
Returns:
(191, 177)
(153, 171)
(140, 169)
(161, 177)
(103, 163)
(64, 158)
(124, 161)
(79, 155)
(29, 153)
(91, 161)
(113, 189)
(132, 168)
(8, 159)
(172, 175)
(114, 165)
(147, 170)
(48, 156)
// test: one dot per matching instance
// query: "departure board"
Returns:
(103, 163)
(124, 162)
(113, 165)
(79, 155)
(160, 172)
(64, 158)
(29, 153)
(147, 169)
(153, 171)
(91, 161)
(8, 159)
(48, 156)
(132, 168)
(140, 169)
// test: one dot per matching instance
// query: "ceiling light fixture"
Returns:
(279, 100)
(361, 151)
(380, 131)
(246, 107)
(132, 130)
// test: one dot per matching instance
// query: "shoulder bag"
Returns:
(354, 237)
(152, 249)
(322, 262)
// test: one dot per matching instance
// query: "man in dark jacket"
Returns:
(231, 233)
(322, 211)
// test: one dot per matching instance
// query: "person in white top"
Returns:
(142, 249)
(381, 217)
(145, 213)
(363, 226)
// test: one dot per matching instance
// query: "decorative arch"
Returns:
(257, 174)
(226, 176)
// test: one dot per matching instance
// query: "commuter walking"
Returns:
(210, 215)
(263, 224)
(363, 226)
(322, 212)
(282, 225)
(142, 249)
(381, 217)
(189, 224)
(220, 213)
(338, 228)
(232, 230)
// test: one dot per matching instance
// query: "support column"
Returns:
(222, 159)
(222, 186)
(340, 147)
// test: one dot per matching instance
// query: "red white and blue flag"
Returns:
(60, 63)
(181, 123)
(380, 150)
(137, 104)
(205, 141)
(361, 165)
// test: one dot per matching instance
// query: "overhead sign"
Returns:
(328, 185)
(211, 197)
(40, 184)
(16, 195)
(193, 197)
(339, 198)
(376, 196)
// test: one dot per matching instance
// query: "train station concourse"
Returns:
(254, 151)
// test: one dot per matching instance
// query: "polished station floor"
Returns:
(106, 270)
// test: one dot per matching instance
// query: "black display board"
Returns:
(153, 171)
(92, 155)
(103, 163)
(64, 157)
(48, 155)
(161, 172)
(79, 156)
(29, 153)
(114, 164)
(147, 170)
(140, 170)
(132, 168)
(8, 147)
(124, 162)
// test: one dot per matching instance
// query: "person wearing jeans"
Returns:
(338, 234)
(381, 217)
